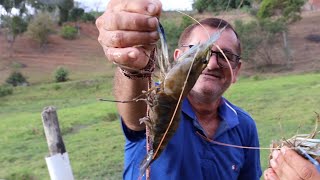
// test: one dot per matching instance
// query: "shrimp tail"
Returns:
(146, 163)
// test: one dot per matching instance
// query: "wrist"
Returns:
(145, 72)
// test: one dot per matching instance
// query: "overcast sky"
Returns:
(166, 4)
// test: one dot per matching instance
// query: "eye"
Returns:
(229, 55)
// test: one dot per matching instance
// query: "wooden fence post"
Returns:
(58, 162)
(52, 131)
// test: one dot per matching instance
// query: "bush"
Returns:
(5, 90)
(87, 17)
(68, 32)
(16, 79)
(61, 74)
(313, 38)
(40, 28)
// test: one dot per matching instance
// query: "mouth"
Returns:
(212, 75)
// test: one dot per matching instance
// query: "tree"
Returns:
(64, 7)
(219, 5)
(40, 28)
(8, 5)
(75, 15)
(14, 24)
(44, 5)
(259, 41)
(283, 12)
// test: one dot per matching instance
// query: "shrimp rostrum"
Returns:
(165, 99)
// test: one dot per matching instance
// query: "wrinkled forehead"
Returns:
(227, 40)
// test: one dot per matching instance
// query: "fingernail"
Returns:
(275, 154)
(283, 150)
(151, 8)
(132, 55)
(273, 163)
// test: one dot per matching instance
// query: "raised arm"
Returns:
(127, 32)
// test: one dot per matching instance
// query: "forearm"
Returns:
(128, 89)
(123, 28)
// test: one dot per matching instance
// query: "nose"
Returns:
(213, 62)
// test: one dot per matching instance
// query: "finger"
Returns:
(128, 21)
(300, 165)
(147, 7)
(282, 169)
(133, 57)
(120, 39)
(269, 174)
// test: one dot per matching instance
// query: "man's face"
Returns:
(214, 80)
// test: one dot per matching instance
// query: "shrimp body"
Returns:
(165, 100)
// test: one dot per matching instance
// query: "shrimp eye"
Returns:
(205, 61)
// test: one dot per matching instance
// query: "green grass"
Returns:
(90, 130)
(281, 106)
(93, 136)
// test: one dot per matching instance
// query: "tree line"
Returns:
(271, 19)
(37, 18)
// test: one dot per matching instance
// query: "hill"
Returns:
(84, 56)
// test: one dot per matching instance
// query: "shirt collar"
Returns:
(228, 115)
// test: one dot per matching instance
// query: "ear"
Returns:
(177, 53)
(236, 72)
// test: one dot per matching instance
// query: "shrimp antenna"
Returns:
(195, 21)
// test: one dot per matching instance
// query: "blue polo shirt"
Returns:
(189, 156)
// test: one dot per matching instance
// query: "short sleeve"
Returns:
(132, 135)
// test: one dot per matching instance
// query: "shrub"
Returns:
(313, 38)
(17, 79)
(61, 74)
(5, 90)
(87, 17)
(68, 32)
(40, 28)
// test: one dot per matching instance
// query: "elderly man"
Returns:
(205, 113)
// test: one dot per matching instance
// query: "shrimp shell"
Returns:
(165, 100)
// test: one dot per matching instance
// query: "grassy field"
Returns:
(93, 136)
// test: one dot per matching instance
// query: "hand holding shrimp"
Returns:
(123, 28)
(126, 24)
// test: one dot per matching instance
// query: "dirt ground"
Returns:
(84, 57)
